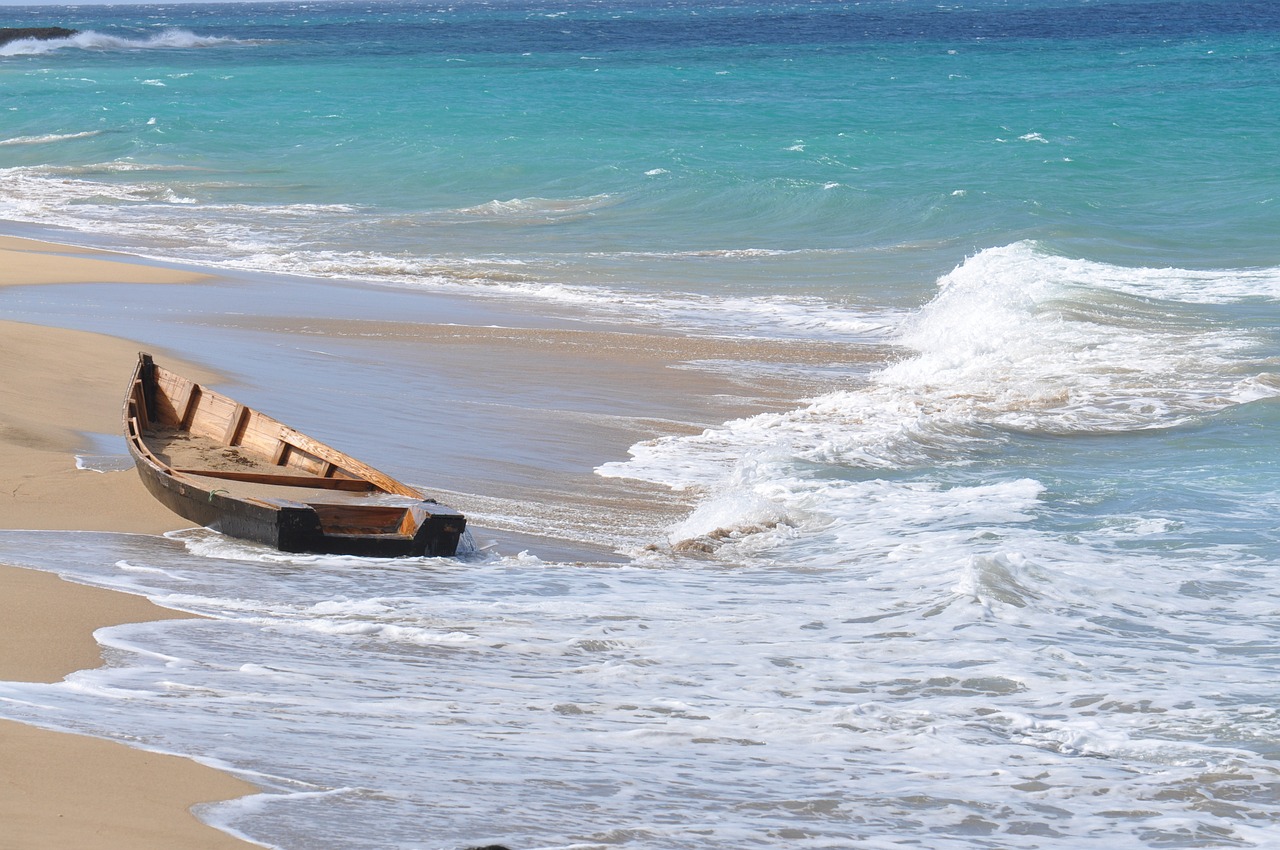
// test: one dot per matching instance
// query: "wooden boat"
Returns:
(237, 471)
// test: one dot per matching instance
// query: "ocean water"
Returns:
(1013, 584)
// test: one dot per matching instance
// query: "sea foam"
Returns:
(1016, 341)
(170, 39)
(49, 138)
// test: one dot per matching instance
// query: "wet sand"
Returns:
(61, 791)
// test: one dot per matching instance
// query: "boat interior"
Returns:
(220, 444)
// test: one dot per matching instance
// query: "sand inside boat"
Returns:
(189, 454)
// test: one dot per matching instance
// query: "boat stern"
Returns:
(388, 531)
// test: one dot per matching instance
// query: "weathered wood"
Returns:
(413, 518)
(187, 404)
(352, 485)
(281, 454)
(213, 416)
(260, 434)
(280, 503)
(360, 519)
(348, 464)
(235, 426)
(137, 408)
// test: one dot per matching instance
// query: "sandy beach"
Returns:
(62, 790)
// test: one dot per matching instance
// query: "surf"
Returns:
(1016, 342)
(93, 40)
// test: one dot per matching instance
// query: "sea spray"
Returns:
(1016, 341)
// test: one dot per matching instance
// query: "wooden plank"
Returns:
(302, 461)
(214, 416)
(169, 396)
(281, 454)
(160, 397)
(260, 435)
(359, 519)
(235, 427)
(138, 406)
(348, 464)
(285, 480)
(414, 517)
(189, 402)
(278, 503)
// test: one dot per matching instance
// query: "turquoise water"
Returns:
(551, 134)
(1015, 585)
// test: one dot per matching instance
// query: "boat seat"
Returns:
(284, 479)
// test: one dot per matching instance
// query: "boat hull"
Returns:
(414, 527)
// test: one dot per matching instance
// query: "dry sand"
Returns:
(59, 384)
(63, 384)
(58, 790)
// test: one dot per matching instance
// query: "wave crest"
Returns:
(48, 138)
(1017, 340)
(536, 209)
(170, 39)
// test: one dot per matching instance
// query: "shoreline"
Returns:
(528, 405)
(63, 789)
(500, 407)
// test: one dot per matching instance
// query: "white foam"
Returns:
(265, 238)
(953, 663)
(1190, 286)
(210, 544)
(170, 39)
(48, 138)
(103, 463)
(537, 208)
(128, 567)
(1016, 340)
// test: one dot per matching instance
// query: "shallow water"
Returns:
(971, 697)
(953, 524)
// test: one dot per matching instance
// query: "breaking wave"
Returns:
(170, 39)
(1016, 341)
